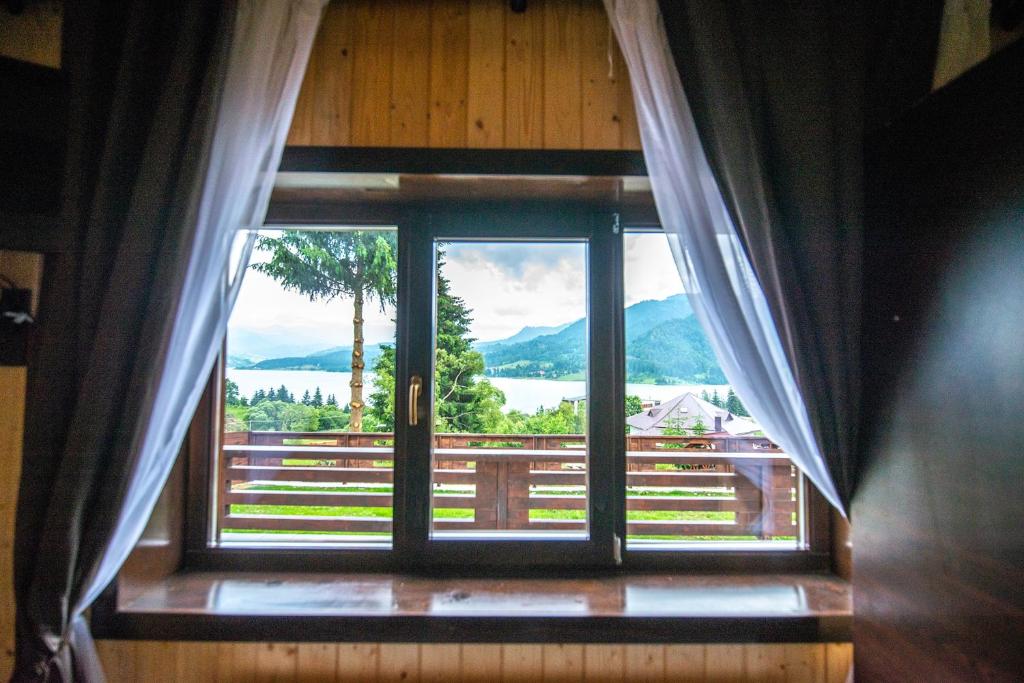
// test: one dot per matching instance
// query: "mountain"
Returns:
(523, 335)
(673, 351)
(664, 344)
(336, 359)
(241, 361)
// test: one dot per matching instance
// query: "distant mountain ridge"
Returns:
(335, 359)
(664, 345)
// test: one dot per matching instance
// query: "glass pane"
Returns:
(510, 369)
(309, 392)
(700, 470)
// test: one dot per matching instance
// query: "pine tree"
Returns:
(705, 396)
(318, 399)
(258, 397)
(462, 403)
(230, 393)
(325, 265)
(284, 396)
(382, 401)
(271, 394)
(306, 400)
(734, 405)
(716, 400)
(332, 401)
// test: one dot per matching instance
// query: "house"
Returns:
(689, 412)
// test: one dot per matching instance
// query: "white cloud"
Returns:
(507, 285)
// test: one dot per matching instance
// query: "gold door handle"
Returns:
(415, 388)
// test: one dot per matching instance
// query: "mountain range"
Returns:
(664, 345)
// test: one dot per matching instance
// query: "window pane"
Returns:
(309, 392)
(699, 467)
(510, 369)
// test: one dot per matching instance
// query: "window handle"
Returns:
(415, 388)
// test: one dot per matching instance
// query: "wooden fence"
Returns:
(492, 482)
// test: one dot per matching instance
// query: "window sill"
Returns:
(639, 608)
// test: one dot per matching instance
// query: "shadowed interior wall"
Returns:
(938, 544)
(454, 73)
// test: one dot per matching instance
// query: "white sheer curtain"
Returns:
(723, 290)
(270, 47)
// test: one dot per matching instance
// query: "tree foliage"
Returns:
(325, 265)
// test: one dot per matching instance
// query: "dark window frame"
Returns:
(413, 219)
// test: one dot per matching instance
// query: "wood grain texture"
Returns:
(563, 97)
(454, 73)
(410, 84)
(33, 35)
(372, 73)
(12, 426)
(485, 103)
(370, 662)
(449, 72)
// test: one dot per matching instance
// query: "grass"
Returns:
(467, 514)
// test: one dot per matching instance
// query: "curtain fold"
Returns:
(726, 292)
(201, 107)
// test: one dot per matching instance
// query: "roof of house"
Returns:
(690, 405)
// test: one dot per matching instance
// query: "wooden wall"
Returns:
(157, 661)
(34, 34)
(938, 516)
(455, 73)
(25, 270)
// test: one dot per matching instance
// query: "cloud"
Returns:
(508, 286)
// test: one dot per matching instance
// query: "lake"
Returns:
(520, 394)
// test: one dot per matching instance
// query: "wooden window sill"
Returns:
(611, 608)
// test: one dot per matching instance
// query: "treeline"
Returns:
(278, 410)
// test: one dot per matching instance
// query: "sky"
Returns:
(507, 285)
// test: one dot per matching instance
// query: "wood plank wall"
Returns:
(160, 661)
(455, 73)
(25, 270)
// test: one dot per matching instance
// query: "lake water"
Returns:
(520, 394)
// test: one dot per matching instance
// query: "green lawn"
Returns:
(467, 514)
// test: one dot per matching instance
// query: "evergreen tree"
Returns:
(382, 400)
(318, 398)
(259, 397)
(230, 393)
(332, 401)
(461, 403)
(705, 396)
(325, 265)
(284, 396)
(633, 405)
(306, 400)
(716, 400)
(734, 405)
(271, 394)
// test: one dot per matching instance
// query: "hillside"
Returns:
(665, 344)
(337, 359)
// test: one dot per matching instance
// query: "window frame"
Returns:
(204, 439)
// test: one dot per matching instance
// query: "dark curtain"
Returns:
(144, 78)
(781, 93)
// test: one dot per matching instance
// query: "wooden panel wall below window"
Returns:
(368, 662)
(458, 74)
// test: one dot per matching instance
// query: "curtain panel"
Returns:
(765, 150)
(201, 95)
(729, 295)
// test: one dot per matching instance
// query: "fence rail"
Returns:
(341, 483)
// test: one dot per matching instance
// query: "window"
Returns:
(461, 370)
